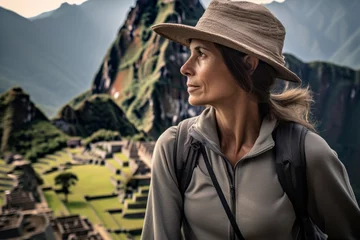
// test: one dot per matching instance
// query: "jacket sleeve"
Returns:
(332, 203)
(164, 206)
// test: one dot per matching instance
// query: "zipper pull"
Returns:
(195, 146)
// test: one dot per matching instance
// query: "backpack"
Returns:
(290, 167)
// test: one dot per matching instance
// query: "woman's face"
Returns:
(209, 81)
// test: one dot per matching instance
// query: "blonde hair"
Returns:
(293, 105)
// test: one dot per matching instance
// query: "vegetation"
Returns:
(102, 205)
(37, 140)
(6, 183)
(66, 180)
(103, 135)
(77, 100)
(55, 204)
(90, 177)
(93, 180)
(93, 114)
(24, 129)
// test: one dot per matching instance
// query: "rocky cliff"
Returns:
(320, 29)
(140, 69)
(336, 108)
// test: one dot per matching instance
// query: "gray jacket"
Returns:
(263, 210)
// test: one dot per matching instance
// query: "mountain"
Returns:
(55, 56)
(336, 91)
(321, 30)
(88, 113)
(24, 129)
(28, 61)
(141, 70)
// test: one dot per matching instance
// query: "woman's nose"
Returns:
(186, 69)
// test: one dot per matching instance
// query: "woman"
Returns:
(236, 54)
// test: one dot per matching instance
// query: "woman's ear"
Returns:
(252, 62)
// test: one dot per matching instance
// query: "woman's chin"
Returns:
(194, 101)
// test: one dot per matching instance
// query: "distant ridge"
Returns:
(62, 50)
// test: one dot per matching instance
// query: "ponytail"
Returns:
(292, 105)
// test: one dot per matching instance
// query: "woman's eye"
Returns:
(201, 54)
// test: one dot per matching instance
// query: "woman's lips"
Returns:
(192, 88)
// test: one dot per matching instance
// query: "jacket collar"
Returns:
(204, 130)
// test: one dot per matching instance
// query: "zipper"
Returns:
(233, 207)
(231, 178)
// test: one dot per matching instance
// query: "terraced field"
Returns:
(6, 183)
(94, 181)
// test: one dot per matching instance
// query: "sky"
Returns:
(31, 8)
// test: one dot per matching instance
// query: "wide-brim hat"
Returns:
(247, 27)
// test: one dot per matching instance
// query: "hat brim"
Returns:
(182, 34)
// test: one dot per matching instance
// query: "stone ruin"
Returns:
(74, 228)
(19, 199)
(17, 226)
(130, 150)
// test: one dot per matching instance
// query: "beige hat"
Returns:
(247, 27)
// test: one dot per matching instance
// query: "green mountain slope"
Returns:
(24, 128)
(86, 115)
(140, 69)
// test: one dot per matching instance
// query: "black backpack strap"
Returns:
(291, 164)
(291, 170)
(185, 154)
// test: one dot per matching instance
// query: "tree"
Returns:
(66, 180)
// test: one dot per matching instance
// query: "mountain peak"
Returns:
(16, 111)
(141, 68)
(17, 89)
(19, 106)
(84, 120)
(66, 4)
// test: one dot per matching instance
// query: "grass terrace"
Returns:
(122, 236)
(76, 150)
(129, 224)
(126, 170)
(114, 163)
(101, 207)
(55, 203)
(5, 182)
(4, 167)
(52, 160)
(94, 181)
(121, 156)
